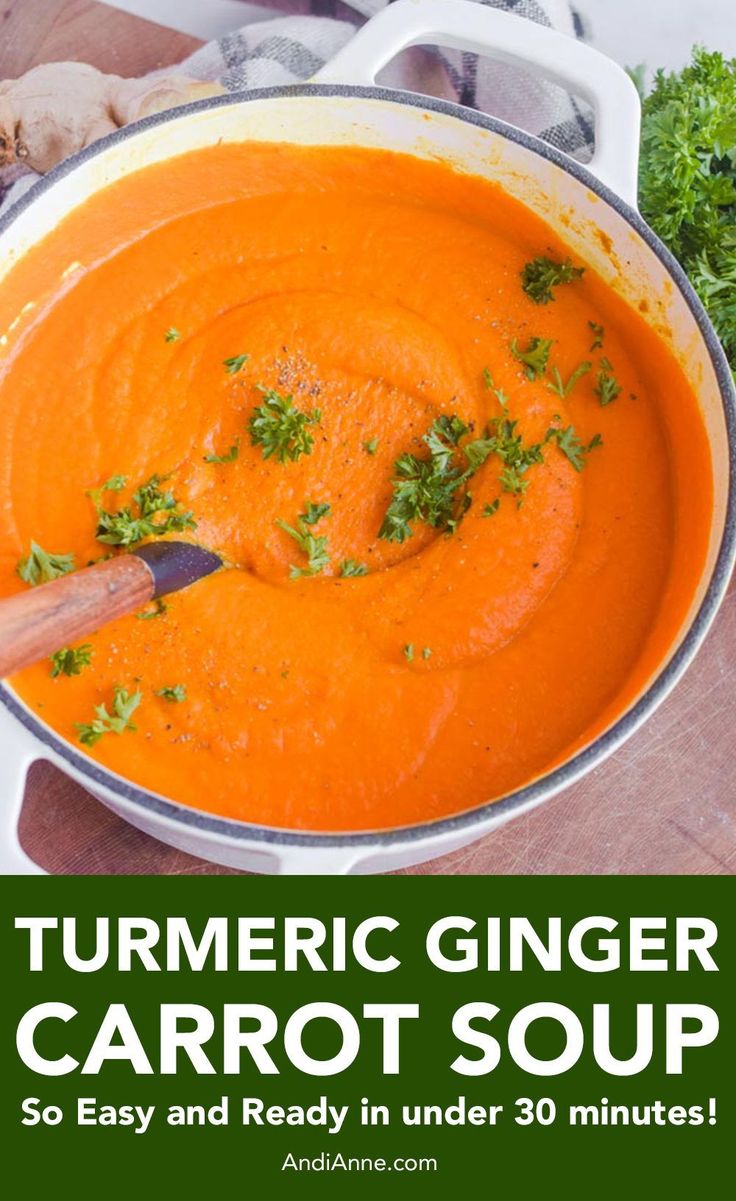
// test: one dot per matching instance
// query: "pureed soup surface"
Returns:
(479, 645)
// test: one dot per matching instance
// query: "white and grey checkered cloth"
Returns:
(293, 46)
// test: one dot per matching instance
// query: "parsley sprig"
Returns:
(40, 566)
(312, 545)
(351, 567)
(236, 363)
(174, 693)
(535, 357)
(558, 385)
(70, 661)
(599, 334)
(432, 489)
(152, 512)
(542, 275)
(516, 456)
(571, 445)
(280, 428)
(124, 705)
(499, 393)
(229, 457)
(607, 387)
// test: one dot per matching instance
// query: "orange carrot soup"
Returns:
(462, 490)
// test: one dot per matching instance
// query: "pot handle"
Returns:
(17, 753)
(466, 25)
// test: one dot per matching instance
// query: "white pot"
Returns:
(578, 202)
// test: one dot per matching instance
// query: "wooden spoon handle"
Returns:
(44, 619)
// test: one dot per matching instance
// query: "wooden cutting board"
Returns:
(665, 803)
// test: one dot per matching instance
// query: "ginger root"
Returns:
(59, 108)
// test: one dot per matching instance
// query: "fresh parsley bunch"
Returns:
(688, 179)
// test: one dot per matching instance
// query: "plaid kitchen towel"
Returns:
(293, 46)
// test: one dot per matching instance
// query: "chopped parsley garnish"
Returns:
(151, 513)
(571, 446)
(515, 455)
(370, 446)
(598, 335)
(70, 661)
(350, 567)
(563, 389)
(499, 394)
(159, 608)
(40, 566)
(172, 335)
(431, 489)
(434, 491)
(236, 363)
(448, 428)
(175, 693)
(315, 513)
(280, 428)
(116, 483)
(542, 275)
(535, 356)
(229, 457)
(124, 705)
(312, 545)
(607, 387)
(408, 652)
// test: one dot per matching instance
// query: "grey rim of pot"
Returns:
(547, 785)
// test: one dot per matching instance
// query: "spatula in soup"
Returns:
(37, 623)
